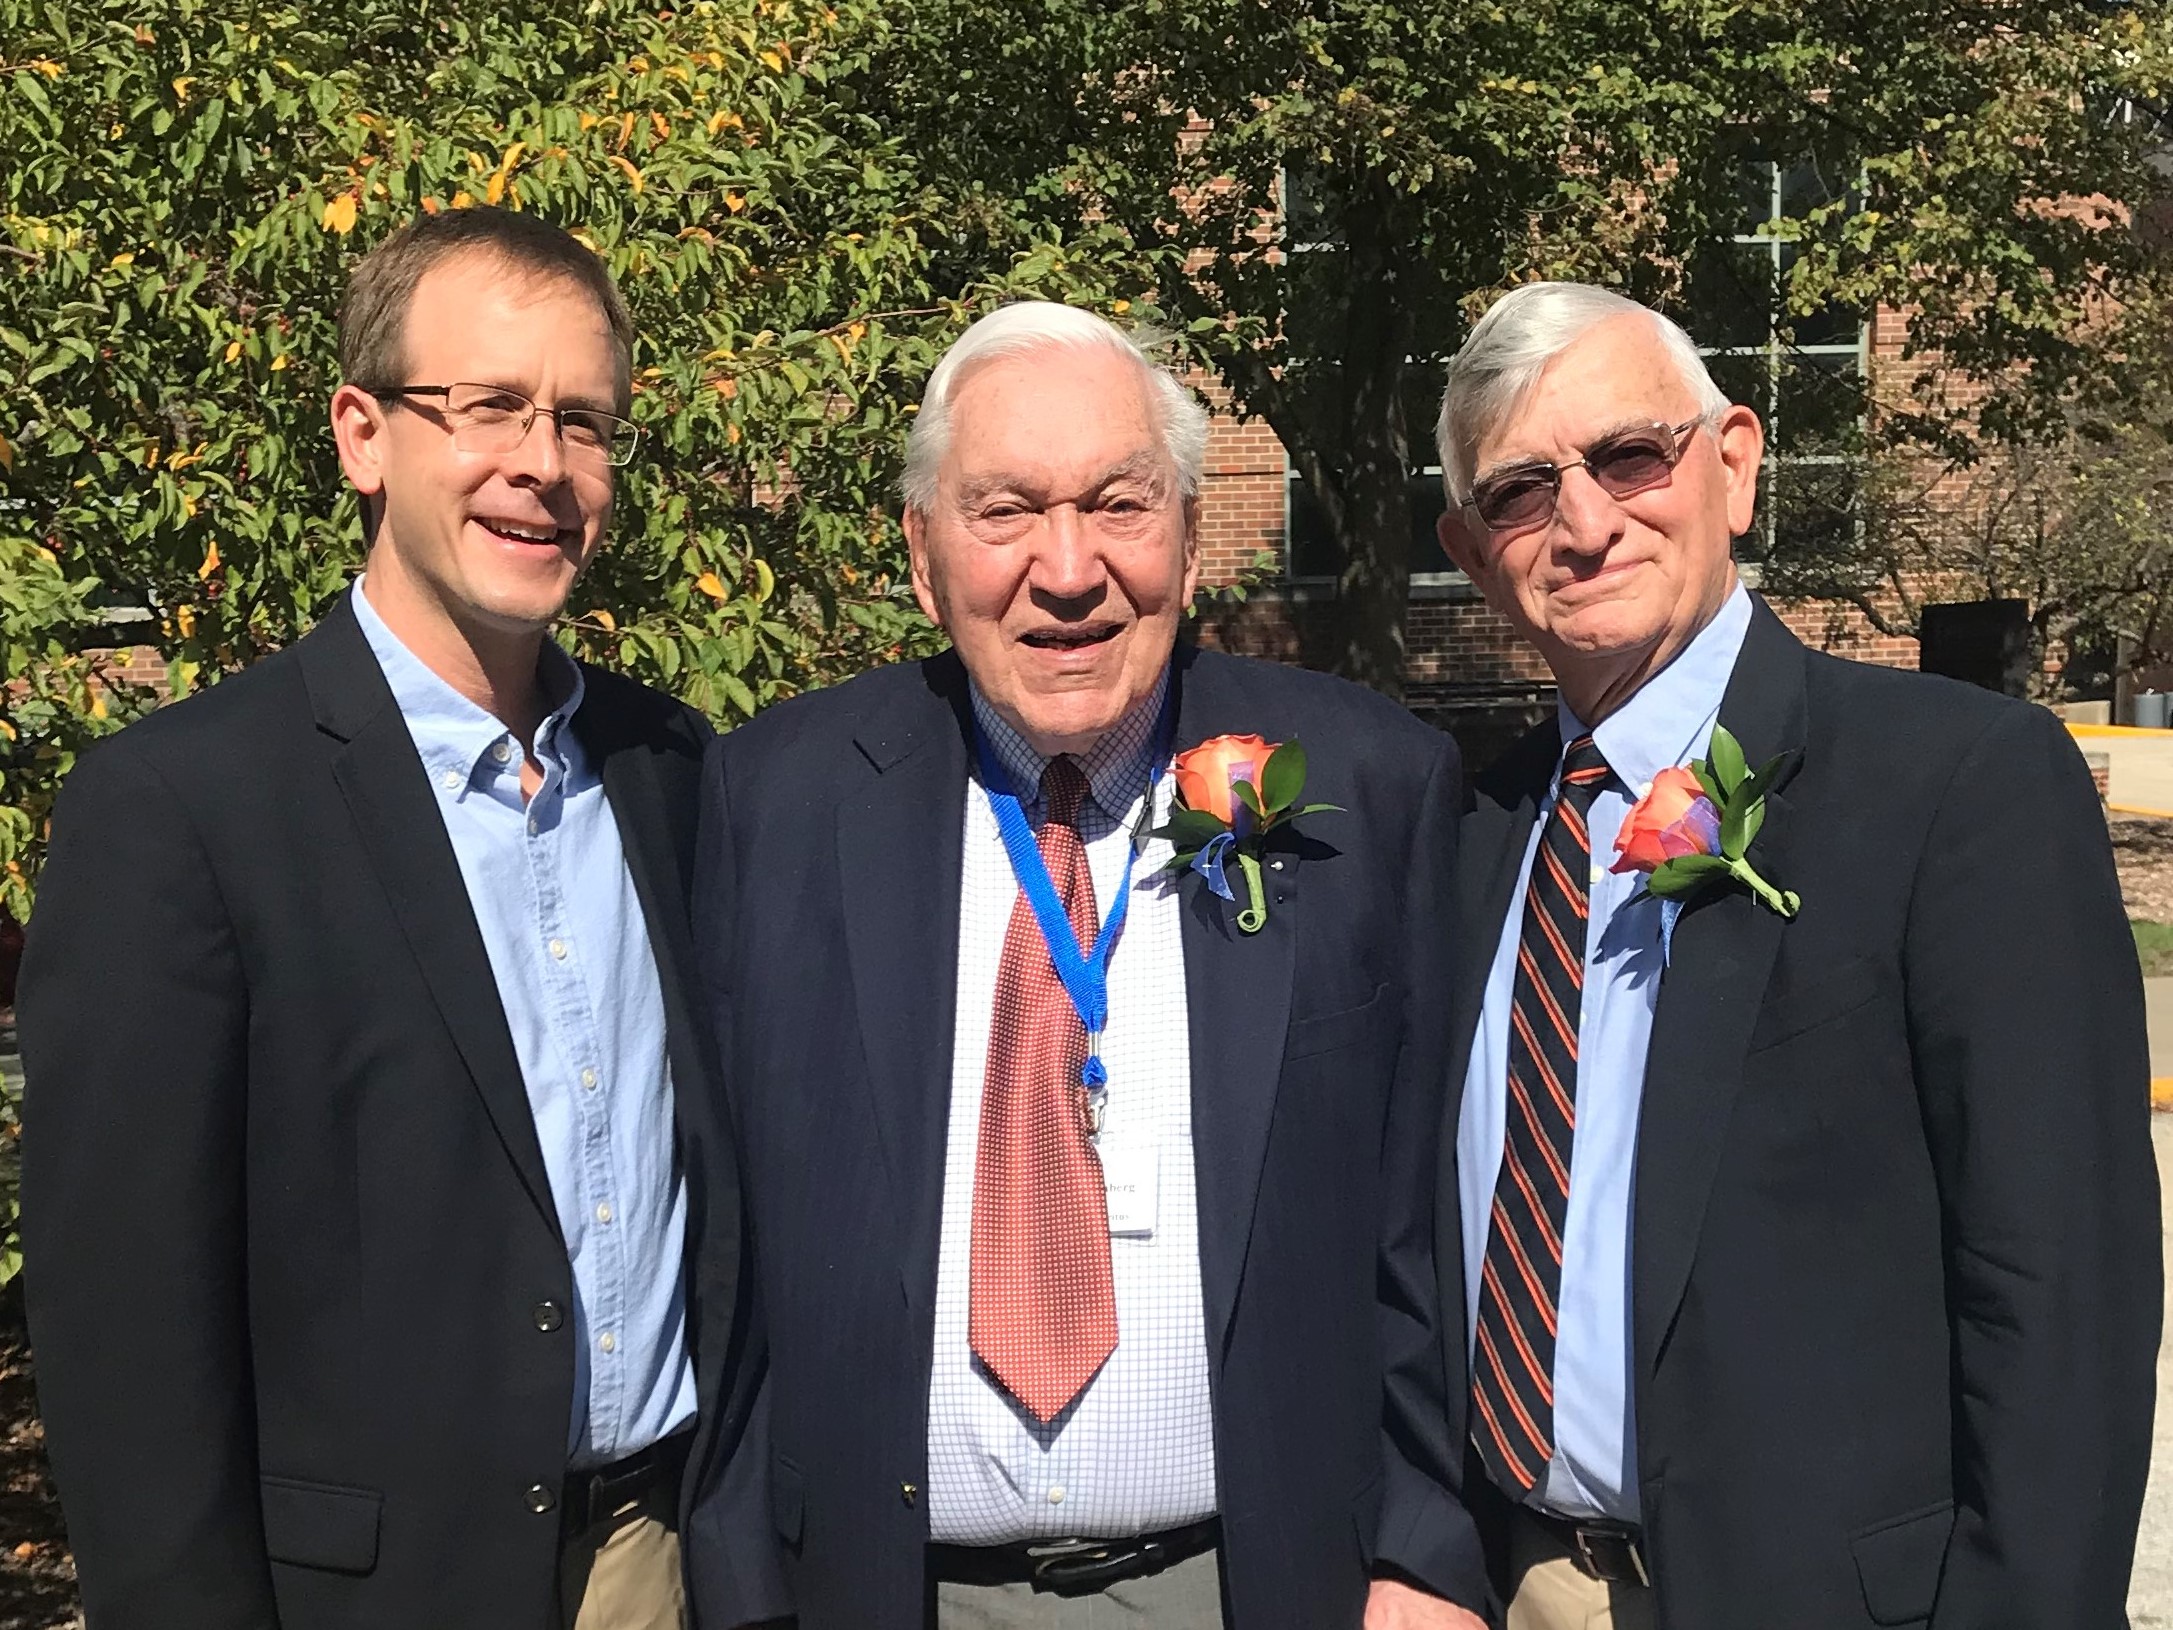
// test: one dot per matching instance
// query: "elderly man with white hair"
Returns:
(1080, 1000)
(1802, 1172)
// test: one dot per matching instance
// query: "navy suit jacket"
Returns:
(827, 906)
(1895, 1281)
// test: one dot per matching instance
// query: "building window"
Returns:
(1804, 375)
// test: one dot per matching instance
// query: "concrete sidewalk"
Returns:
(2140, 762)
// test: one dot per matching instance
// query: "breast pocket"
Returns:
(1346, 1027)
(1833, 993)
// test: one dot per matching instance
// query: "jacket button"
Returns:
(908, 1493)
(549, 1316)
(539, 1498)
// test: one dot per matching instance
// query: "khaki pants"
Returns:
(623, 1574)
(1549, 1592)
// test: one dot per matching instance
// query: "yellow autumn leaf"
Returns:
(713, 586)
(661, 125)
(431, 206)
(626, 130)
(765, 579)
(181, 88)
(211, 561)
(233, 351)
(633, 175)
(496, 191)
(7, 455)
(772, 61)
(609, 623)
(731, 434)
(279, 362)
(589, 121)
(463, 200)
(1121, 307)
(185, 620)
(48, 67)
(8, 731)
(98, 704)
(725, 386)
(339, 214)
(735, 202)
(127, 257)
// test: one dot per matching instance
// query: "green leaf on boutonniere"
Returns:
(1189, 828)
(1683, 874)
(1725, 758)
(1283, 778)
(1243, 792)
(1311, 809)
(1709, 782)
(1739, 823)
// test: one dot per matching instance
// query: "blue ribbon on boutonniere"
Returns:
(1209, 861)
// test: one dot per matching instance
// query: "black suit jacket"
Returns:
(828, 911)
(286, 1218)
(1895, 1240)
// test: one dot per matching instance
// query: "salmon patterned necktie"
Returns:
(1043, 1306)
(1520, 1283)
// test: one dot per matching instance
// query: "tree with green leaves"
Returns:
(1322, 195)
(184, 191)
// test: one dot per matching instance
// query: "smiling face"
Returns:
(1058, 554)
(1609, 589)
(483, 546)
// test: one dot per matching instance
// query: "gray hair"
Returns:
(1030, 325)
(1503, 357)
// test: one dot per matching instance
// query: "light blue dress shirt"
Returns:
(569, 947)
(1669, 721)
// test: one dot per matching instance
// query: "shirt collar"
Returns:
(452, 734)
(1117, 766)
(1670, 717)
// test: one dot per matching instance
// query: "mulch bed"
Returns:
(2143, 849)
(37, 1578)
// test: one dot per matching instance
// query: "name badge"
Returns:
(1131, 1172)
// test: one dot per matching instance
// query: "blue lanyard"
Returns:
(1084, 974)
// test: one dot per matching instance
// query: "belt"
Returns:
(1073, 1567)
(592, 1495)
(1611, 1552)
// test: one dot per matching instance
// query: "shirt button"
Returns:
(603, 1212)
(451, 780)
(501, 751)
(608, 1342)
(548, 1316)
(532, 826)
(1598, 872)
(589, 1078)
(1056, 1495)
(539, 1498)
(558, 950)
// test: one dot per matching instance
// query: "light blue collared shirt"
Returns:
(569, 948)
(1669, 721)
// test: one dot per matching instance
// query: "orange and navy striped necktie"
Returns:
(1521, 1278)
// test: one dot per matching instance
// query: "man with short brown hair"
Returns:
(382, 1244)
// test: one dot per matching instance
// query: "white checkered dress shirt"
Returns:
(1136, 1453)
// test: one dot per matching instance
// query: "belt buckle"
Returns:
(1582, 1541)
(1075, 1567)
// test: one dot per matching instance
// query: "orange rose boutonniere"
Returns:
(1695, 827)
(1231, 792)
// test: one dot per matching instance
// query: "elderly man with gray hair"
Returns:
(1802, 1174)
(1091, 1195)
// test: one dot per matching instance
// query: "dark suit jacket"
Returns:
(287, 1223)
(828, 912)
(1895, 1239)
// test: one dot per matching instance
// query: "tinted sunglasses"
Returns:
(1626, 462)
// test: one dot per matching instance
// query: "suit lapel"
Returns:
(1722, 955)
(388, 794)
(1237, 1008)
(898, 844)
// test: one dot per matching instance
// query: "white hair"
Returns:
(1031, 325)
(1503, 357)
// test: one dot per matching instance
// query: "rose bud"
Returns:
(1672, 820)
(1205, 773)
